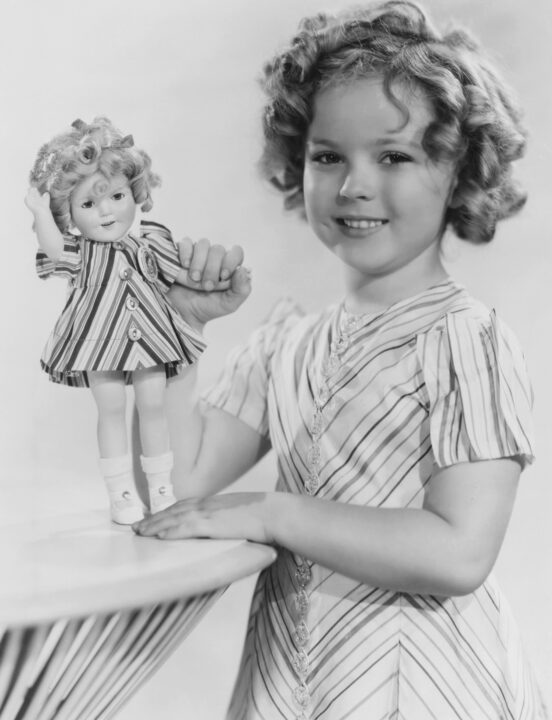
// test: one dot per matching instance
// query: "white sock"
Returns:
(125, 504)
(158, 473)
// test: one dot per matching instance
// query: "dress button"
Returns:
(302, 602)
(303, 574)
(134, 333)
(117, 245)
(125, 273)
(301, 634)
(301, 663)
(301, 696)
(131, 303)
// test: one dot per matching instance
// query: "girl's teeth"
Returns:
(362, 224)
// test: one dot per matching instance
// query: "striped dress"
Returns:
(116, 316)
(359, 410)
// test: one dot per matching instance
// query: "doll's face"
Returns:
(103, 209)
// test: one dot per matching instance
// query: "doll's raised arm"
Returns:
(48, 234)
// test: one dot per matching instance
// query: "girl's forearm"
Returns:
(204, 441)
(186, 423)
(410, 550)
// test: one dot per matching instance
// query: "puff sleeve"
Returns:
(160, 242)
(478, 391)
(69, 264)
(242, 388)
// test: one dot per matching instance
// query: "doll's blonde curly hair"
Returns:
(81, 151)
(477, 124)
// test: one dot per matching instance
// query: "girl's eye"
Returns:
(118, 196)
(327, 157)
(394, 158)
(87, 204)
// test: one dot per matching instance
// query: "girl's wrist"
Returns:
(196, 325)
(274, 510)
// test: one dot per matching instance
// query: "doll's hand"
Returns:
(223, 286)
(224, 516)
(36, 202)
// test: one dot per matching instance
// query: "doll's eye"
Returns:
(118, 196)
(87, 204)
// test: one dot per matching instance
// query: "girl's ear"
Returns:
(454, 199)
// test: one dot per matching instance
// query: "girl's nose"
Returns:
(358, 184)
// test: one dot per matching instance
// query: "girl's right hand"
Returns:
(36, 202)
(213, 282)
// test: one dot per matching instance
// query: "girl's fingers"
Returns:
(233, 258)
(212, 269)
(182, 520)
(241, 283)
(185, 252)
(166, 518)
(199, 259)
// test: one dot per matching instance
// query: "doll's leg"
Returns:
(108, 389)
(157, 460)
(109, 393)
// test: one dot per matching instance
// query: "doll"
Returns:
(117, 326)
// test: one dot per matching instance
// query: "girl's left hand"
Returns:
(226, 516)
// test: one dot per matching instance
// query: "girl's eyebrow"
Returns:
(386, 140)
(320, 141)
(392, 139)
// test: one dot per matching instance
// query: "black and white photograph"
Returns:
(275, 434)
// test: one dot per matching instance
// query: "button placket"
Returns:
(302, 637)
(303, 574)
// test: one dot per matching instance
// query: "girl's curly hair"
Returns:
(83, 150)
(476, 125)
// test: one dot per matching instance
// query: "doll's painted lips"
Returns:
(108, 224)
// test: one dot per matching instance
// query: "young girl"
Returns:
(401, 418)
(117, 326)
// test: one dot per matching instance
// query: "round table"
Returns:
(88, 610)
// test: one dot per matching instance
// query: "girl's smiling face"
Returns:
(103, 209)
(372, 194)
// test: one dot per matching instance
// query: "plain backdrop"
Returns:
(182, 78)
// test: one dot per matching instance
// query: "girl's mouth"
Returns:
(361, 223)
(108, 224)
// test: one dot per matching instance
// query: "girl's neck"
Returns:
(376, 293)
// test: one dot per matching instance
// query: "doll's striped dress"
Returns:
(116, 316)
(435, 379)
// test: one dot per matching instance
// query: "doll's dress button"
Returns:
(131, 303)
(134, 333)
(118, 245)
(125, 273)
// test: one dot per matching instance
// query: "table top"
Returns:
(79, 564)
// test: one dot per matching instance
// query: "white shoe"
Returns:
(161, 497)
(126, 507)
